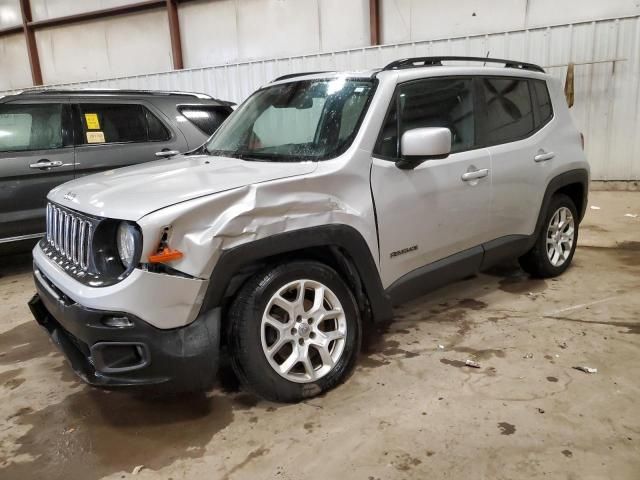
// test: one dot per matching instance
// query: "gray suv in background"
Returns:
(48, 137)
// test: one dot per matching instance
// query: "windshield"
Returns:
(305, 120)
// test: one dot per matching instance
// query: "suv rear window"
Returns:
(206, 118)
(26, 127)
(124, 123)
(508, 108)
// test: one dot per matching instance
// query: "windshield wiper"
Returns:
(257, 156)
(220, 153)
(240, 155)
(260, 156)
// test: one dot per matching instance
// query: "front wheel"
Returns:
(295, 331)
(556, 243)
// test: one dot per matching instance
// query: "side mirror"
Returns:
(420, 144)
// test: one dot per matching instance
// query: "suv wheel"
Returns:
(295, 331)
(556, 243)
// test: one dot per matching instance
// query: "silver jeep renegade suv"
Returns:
(320, 203)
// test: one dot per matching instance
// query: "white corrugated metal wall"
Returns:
(607, 94)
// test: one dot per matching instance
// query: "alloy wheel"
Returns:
(303, 331)
(560, 236)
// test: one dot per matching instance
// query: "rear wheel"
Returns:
(295, 331)
(556, 243)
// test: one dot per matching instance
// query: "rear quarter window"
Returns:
(543, 102)
(120, 123)
(509, 109)
(206, 118)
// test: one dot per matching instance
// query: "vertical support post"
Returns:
(174, 31)
(32, 48)
(374, 21)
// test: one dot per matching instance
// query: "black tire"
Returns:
(536, 261)
(247, 356)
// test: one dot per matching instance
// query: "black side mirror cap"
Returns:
(409, 163)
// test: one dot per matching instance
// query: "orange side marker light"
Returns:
(165, 255)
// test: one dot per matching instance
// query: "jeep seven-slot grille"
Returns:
(70, 235)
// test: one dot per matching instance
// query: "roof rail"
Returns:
(107, 91)
(293, 75)
(417, 62)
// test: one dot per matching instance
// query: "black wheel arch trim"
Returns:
(347, 245)
(577, 176)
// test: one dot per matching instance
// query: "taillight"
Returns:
(582, 140)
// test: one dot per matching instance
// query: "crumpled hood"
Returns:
(132, 192)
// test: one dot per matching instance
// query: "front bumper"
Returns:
(178, 359)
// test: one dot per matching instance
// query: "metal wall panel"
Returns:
(45, 9)
(209, 32)
(10, 15)
(554, 12)
(607, 95)
(231, 30)
(277, 27)
(406, 20)
(101, 48)
(410, 20)
(343, 24)
(14, 62)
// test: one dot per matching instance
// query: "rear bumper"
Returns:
(179, 359)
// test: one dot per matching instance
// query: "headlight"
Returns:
(126, 242)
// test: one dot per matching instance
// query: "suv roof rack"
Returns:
(417, 62)
(107, 91)
(293, 75)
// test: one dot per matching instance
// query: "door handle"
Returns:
(46, 164)
(475, 174)
(167, 153)
(544, 156)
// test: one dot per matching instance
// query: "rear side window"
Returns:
(436, 102)
(25, 127)
(206, 118)
(508, 108)
(157, 131)
(125, 123)
(543, 101)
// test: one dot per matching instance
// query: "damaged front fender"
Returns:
(206, 227)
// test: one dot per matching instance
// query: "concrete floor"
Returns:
(411, 410)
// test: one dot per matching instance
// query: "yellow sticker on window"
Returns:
(92, 121)
(95, 137)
